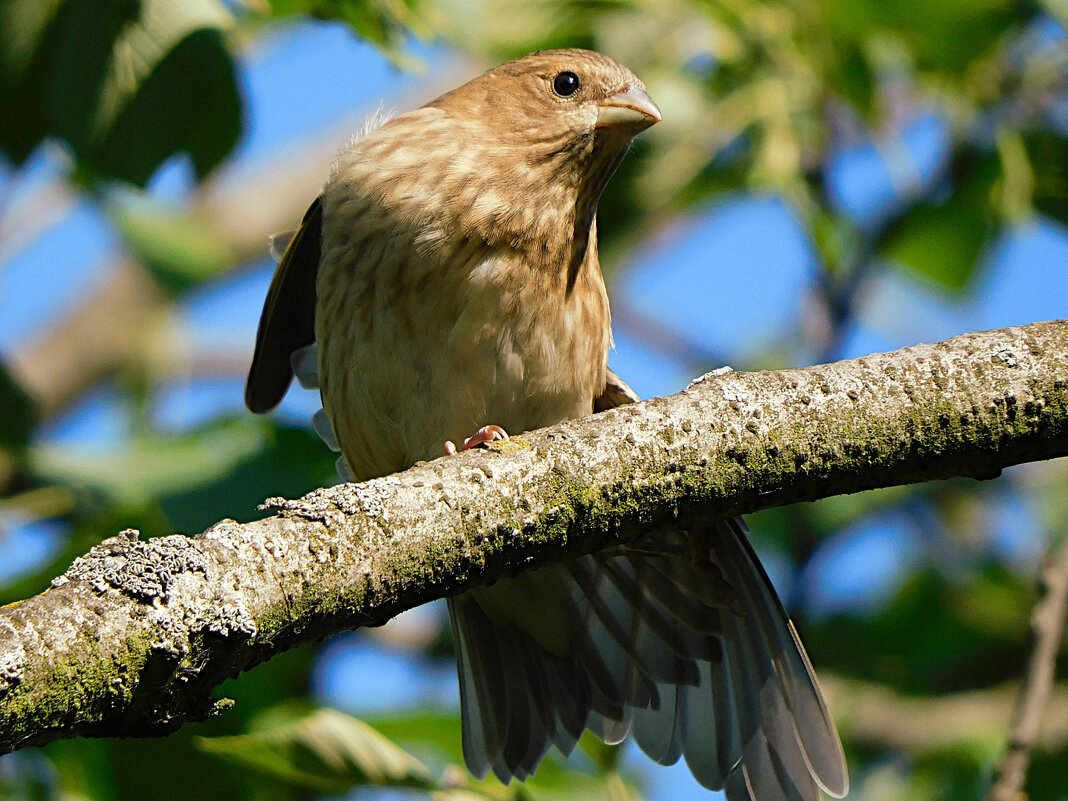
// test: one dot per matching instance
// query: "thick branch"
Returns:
(136, 635)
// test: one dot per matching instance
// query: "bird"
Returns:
(446, 283)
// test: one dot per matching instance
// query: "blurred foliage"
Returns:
(19, 416)
(757, 96)
(177, 248)
(386, 23)
(125, 83)
(325, 751)
(762, 95)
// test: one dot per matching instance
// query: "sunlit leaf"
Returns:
(153, 465)
(589, 774)
(178, 248)
(439, 730)
(326, 751)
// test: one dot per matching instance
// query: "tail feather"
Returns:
(569, 712)
(688, 649)
(768, 778)
(613, 629)
(528, 737)
(769, 738)
(483, 735)
(516, 700)
(821, 748)
(612, 731)
(659, 583)
(663, 620)
(711, 741)
(661, 732)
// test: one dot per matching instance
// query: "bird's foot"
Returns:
(482, 437)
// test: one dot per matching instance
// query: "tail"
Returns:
(686, 648)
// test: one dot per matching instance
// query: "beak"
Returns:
(629, 111)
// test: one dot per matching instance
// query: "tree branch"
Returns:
(133, 639)
(1032, 704)
(884, 719)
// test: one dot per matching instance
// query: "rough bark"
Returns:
(135, 636)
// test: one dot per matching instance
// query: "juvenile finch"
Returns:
(449, 276)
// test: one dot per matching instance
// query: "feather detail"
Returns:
(288, 319)
(716, 677)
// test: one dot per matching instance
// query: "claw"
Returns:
(483, 436)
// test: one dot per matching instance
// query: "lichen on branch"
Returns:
(136, 635)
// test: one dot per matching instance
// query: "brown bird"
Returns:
(449, 276)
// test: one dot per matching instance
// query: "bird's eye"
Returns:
(566, 84)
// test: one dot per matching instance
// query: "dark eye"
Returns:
(566, 84)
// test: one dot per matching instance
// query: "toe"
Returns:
(485, 435)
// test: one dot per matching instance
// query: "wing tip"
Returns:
(261, 394)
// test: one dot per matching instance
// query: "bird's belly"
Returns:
(437, 364)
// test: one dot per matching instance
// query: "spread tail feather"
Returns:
(692, 655)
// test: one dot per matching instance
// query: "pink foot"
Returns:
(483, 436)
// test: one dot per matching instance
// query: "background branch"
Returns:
(1047, 623)
(882, 717)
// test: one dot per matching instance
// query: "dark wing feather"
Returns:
(615, 393)
(288, 319)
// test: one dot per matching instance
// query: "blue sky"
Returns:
(734, 276)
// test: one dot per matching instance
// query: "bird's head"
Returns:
(535, 140)
(580, 90)
(563, 102)
(517, 157)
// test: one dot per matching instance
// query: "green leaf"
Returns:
(188, 103)
(1048, 774)
(287, 462)
(83, 770)
(935, 634)
(387, 24)
(591, 772)
(975, 26)
(154, 465)
(422, 729)
(127, 83)
(325, 751)
(19, 412)
(942, 240)
(29, 38)
(84, 49)
(1048, 153)
(177, 247)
